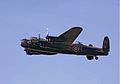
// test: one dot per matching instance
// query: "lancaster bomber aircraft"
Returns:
(63, 44)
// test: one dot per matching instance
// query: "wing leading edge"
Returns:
(71, 34)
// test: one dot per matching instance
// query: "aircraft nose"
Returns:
(23, 42)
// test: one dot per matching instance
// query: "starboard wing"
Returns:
(70, 35)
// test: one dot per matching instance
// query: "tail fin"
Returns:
(106, 44)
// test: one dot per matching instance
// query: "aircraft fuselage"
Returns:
(64, 44)
(45, 47)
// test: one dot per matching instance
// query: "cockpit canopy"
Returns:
(24, 40)
(33, 38)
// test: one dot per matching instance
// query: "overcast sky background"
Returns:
(25, 18)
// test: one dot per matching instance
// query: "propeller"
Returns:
(39, 36)
(47, 33)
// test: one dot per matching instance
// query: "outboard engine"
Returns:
(28, 51)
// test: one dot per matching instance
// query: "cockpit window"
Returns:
(23, 40)
(33, 38)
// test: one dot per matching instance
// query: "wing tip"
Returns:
(76, 27)
(79, 28)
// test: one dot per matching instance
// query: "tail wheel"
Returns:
(96, 58)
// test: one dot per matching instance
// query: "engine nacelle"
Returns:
(28, 51)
